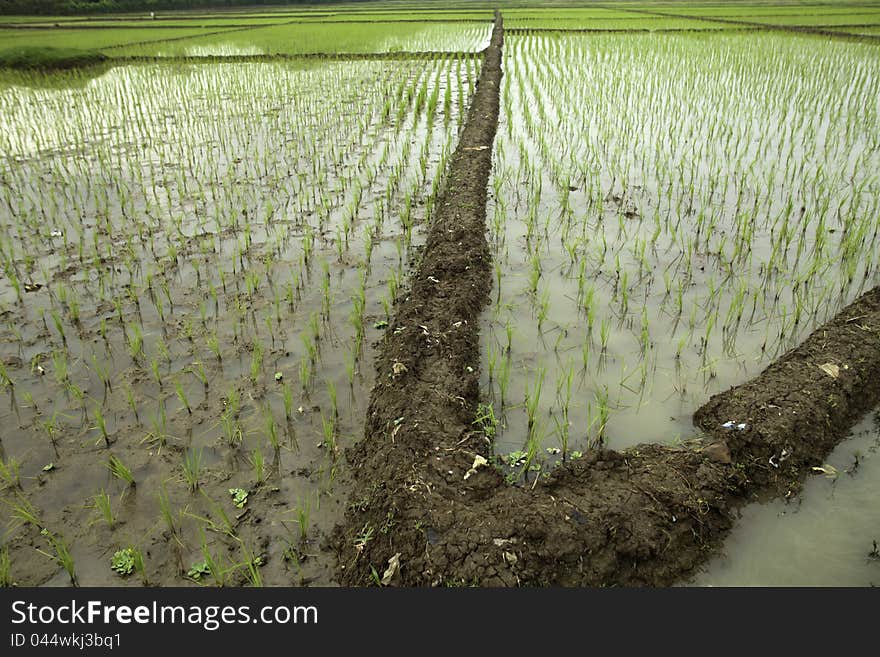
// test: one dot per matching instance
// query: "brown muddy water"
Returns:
(196, 262)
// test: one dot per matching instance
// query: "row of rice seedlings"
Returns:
(678, 255)
(221, 275)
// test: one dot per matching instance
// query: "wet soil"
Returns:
(426, 512)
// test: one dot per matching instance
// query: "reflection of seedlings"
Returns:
(272, 432)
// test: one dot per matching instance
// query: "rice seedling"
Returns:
(167, 516)
(9, 473)
(23, 513)
(119, 470)
(102, 505)
(192, 468)
(61, 555)
(258, 463)
(6, 579)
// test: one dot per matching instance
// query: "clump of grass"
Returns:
(192, 468)
(9, 473)
(5, 568)
(32, 58)
(61, 556)
(102, 505)
(120, 470)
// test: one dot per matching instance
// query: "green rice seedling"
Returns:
(101, 424)
(328, 429)
(287, 397)
(6, 580)
(302, 511)
(198, 371)
(102, 505)
(61, 556)
(251, 564)
(154, 368)
(59, 326)
(23, 512)
(135, 343)
(272, 432)
(231, 429)
(214, 564)
(119, 470)
(9, 473)
(166, 514)
(214, 345)
(258, 464)
(192, 468)
(533, 398)
(5, 380)
(181, 395)
(601, 397)
(486, 420)
(223, 523)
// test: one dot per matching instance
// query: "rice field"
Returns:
(663, 260)
(201, 307)
(199, 258)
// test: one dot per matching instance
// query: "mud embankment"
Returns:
(422, 514)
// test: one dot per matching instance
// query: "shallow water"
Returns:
(825, 537)
(198, 236)
(640, 262)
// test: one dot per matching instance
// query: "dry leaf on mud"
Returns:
(828, 470)
(830, 369)
(479, 462)
(397, 367)
(475, 148)
(391, 571)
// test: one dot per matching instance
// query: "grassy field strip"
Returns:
(330, 38)
(100, 39)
